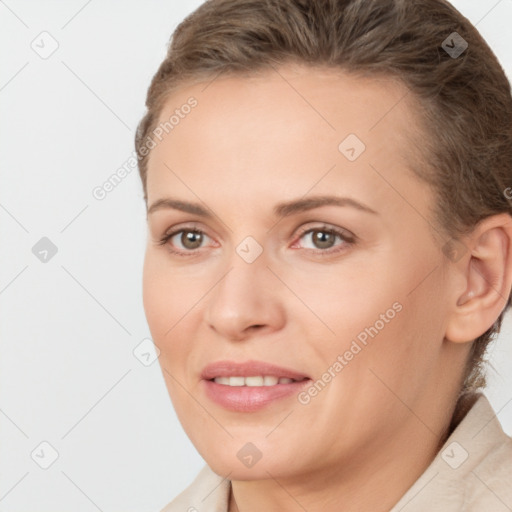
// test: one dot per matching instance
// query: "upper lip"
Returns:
(248, 369)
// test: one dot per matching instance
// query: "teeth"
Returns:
(253, 381)
(236, 381)
(267, 380)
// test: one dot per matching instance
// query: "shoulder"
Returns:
(472, 471)
(208, 492)
(489, 483)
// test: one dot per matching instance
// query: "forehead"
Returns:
(286, 128)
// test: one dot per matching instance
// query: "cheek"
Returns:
(153, 296)
(382, 346)
(345, 298)
(160, 309)
(403, 345)
(375, 317)
(170, 303)
(163, 297)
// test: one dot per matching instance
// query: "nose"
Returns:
(247, 300)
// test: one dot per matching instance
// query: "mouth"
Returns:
(254, 381)
(251, 385)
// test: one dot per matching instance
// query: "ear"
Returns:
(484, 278)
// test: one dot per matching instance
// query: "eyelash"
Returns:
(347, 237)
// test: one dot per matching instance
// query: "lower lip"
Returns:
(250, 398)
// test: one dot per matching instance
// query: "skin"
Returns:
(249, 144)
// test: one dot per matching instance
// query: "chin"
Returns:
(237, 463)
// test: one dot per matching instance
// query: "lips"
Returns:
(249, 369)
(243, 398)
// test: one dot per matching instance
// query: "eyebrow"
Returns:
(284, 209)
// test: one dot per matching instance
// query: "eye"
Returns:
(322, 239)
(185, 240)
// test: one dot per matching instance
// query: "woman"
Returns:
(329, 253)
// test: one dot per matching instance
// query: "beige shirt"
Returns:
(471, 473)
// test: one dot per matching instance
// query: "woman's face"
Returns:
(351, 294)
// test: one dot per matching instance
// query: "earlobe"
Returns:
(487, 271)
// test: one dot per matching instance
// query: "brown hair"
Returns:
(465, 100)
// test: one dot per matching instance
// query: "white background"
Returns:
(68, 327)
